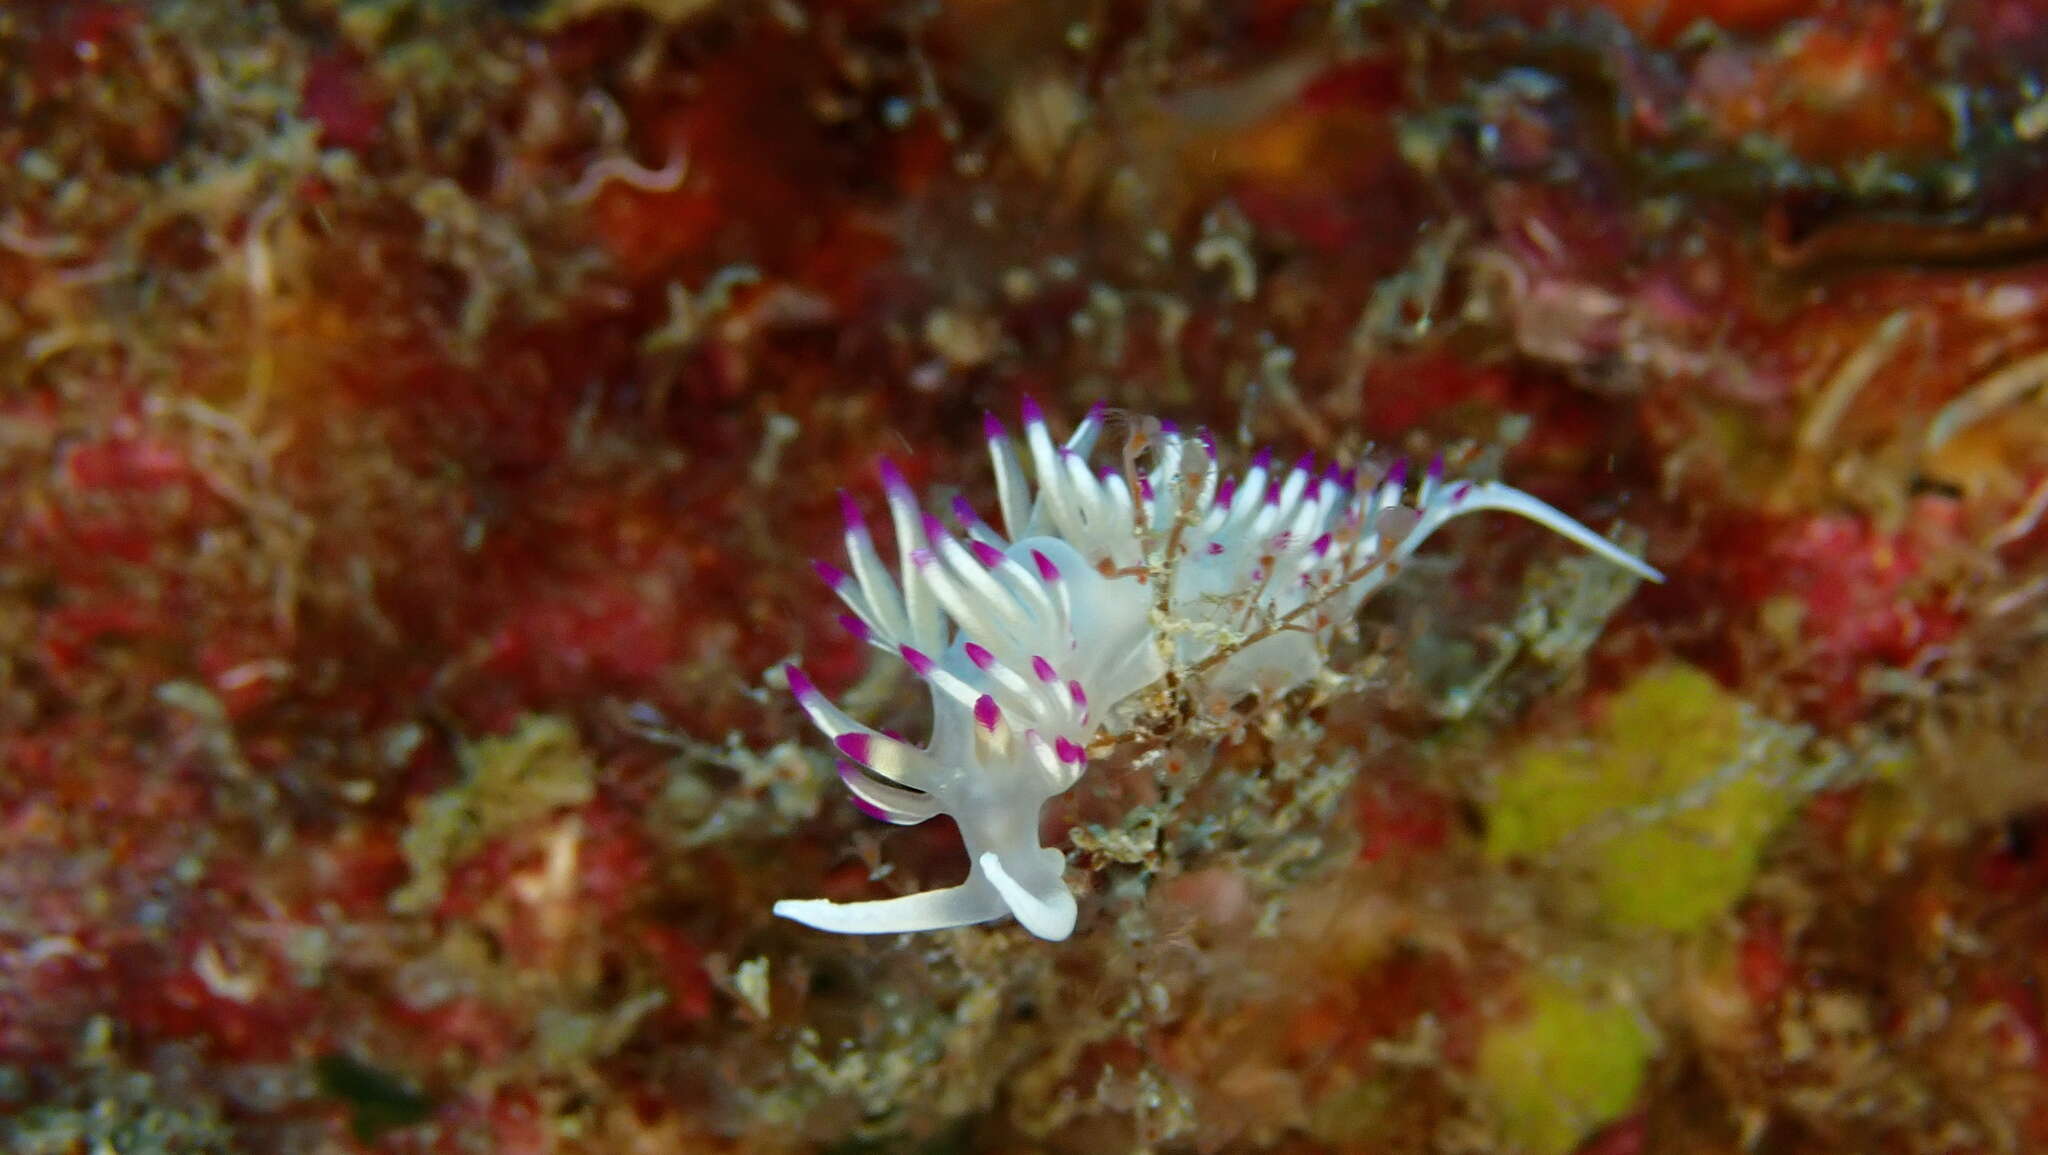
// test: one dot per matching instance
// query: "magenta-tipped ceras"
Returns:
(1030, 642)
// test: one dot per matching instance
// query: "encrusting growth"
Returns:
(1105, 581)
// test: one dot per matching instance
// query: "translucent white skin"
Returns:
(1028, 644)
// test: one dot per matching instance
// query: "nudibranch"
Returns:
(1029, 639)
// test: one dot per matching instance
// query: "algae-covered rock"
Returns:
(1664, 807)
(1568, 1066)
(538, 768)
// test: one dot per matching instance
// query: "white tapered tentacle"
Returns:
(1049, 915)
(1468, 497)
(963, 905)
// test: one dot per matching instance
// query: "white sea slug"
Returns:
(1029, 643)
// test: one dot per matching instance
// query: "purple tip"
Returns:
(964, 510)
(986, 715)
(923, 558)
(1208, 441)
(1322, 545)
(1145, 488)
(830, 574)
(1166, 426)
(1461, 491)
(934, 529)
(1046, 570)
(1436, 468)
(1264, 459)
(1068, 751)
(1033, 415)
(799, 682)
(1273, 493)
(855, 746)
(986, 554)
(1398, 475)
(980, 656)
(1215, 549)
(1349, 479)
(1095, 412)
(1080, 696)
(1043, 669)
(1307, 464)
(1332, 473)
(892, 478)
(919, 663)
(850, 510)
(1225, 492)
(853, 625)
(992, 427)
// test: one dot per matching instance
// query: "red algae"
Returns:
(340, 96)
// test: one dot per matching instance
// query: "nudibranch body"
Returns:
(1105, 581)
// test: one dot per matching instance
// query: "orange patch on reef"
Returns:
(1832, 93)
(1342, 1023)
(1322, 169)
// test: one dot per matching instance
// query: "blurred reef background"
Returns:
(416, 417)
